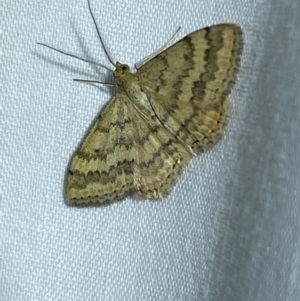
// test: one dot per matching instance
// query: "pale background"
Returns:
(230, 229)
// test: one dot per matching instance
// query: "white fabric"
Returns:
(230, 228)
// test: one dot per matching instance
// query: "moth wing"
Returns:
(192, 79)
(124, 154)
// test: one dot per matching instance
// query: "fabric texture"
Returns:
(230, 228)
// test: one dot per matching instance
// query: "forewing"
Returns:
(192, 79)
(102, 168)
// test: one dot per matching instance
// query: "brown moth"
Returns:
(175, 106)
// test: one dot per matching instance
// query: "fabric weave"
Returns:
(230, 228)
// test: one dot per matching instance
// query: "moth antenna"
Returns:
(93, 81)
(75, 56)
(98, 32)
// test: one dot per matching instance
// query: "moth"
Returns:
(174, 107)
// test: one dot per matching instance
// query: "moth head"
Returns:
(121, 69)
